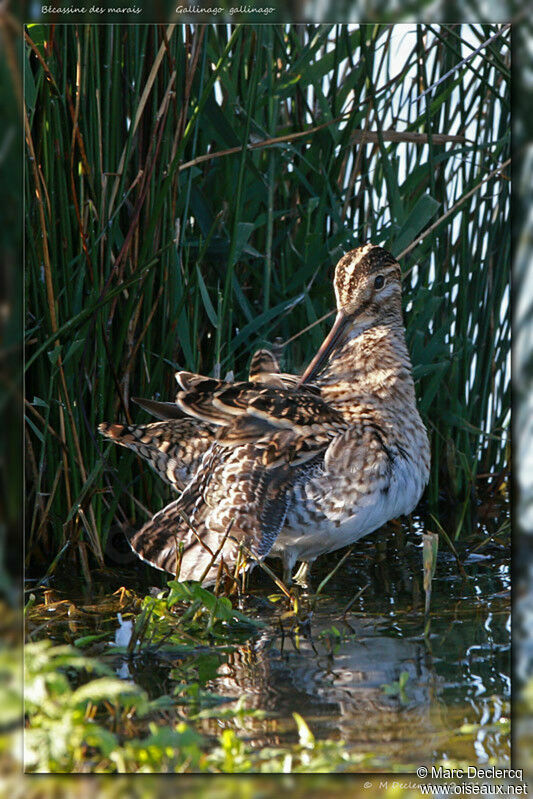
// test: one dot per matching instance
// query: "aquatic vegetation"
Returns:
(65, 729)
(109, 725)
(188, 612)
(183, 680)
(397, 688)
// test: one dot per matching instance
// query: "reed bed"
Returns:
(188, 191)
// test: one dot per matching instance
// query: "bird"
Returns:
(289, 466)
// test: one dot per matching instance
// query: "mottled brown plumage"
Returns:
(295, 467)
(175, 446)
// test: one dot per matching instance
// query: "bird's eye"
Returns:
(379, 281)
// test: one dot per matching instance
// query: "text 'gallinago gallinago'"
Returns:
(289, 467)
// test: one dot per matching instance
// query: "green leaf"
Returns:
(54, 355)
(305, 735)
(74, 348)
(30, 90)
(109, 689)
(425, 209)
(39, 402)
(84, 640)
(208, 305)
(244, 231)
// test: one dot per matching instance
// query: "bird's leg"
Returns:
(302, 575)
(289, 560)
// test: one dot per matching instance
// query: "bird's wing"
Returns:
(264, 371)
(161, 410)
(265, 437)
(283, 408)
(174, 448)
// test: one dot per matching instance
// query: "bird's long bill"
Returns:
(327, 346)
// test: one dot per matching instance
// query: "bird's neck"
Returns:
(373, 365)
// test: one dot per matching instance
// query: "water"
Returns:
(359, 670)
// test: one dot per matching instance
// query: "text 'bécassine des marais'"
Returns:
(91, 10)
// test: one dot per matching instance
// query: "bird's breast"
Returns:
(331, 510)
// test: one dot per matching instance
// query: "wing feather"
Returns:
(174, 448)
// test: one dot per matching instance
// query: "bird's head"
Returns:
(368, 291)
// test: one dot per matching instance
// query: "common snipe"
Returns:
(284, 466)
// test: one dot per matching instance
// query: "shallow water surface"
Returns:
(354, 662)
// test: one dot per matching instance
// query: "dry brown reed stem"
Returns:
(359, 136)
